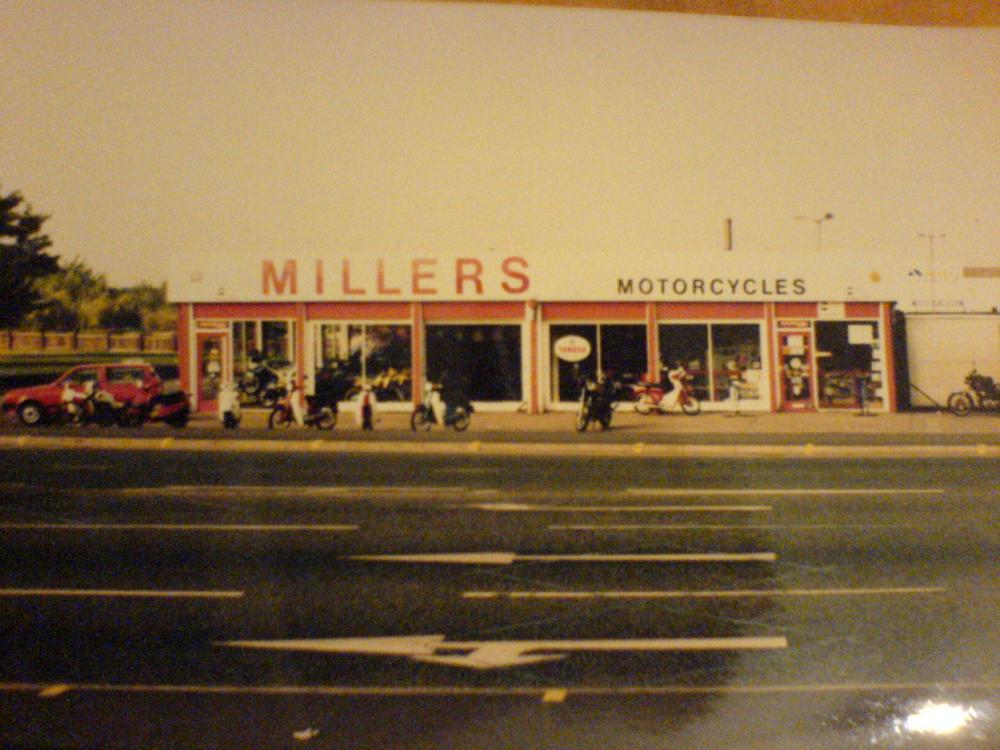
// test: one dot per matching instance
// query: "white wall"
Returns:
(943, 348)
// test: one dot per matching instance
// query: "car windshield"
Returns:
(79, 377)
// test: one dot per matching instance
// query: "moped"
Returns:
(320, 412)
(433, 410)
(650, 397)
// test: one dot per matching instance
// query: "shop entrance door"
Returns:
(213, 349)
(796, 371)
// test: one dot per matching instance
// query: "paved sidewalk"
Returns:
(985, 426)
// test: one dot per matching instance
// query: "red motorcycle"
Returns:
(650, 397)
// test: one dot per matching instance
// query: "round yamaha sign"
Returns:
(572, 348)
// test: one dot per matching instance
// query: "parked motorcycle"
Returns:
(597, 405)
(981, 394)
(262, 382)
(433, 410)
(320, 412)
(650, 397)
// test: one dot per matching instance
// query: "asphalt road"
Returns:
(161, 599)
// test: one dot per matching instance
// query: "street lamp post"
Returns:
(930, 239)
(819, 227)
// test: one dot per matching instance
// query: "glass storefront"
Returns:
(379, 355)
(848, 364)
(716, 355)
(616, 350)
(486, 357)
(274, 340)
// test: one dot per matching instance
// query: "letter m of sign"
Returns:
(287, 283)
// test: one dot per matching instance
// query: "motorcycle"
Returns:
(321, 412)
(596, 405)
(262, 383)
(433, 410)
(650, 397)
(981, 393)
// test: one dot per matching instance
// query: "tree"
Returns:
(23, 259)
(73, 298)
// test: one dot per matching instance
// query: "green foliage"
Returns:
(23, 259)
(77, 299)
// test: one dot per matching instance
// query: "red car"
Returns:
(128, 383)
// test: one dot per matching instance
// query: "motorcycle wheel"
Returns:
(280, 417)
(270, 396)
(691, 406)
(179, 420)
(420, 420)
(645, 405)
(582, 422)
(462, 420)
(326, 419)
(960, 404)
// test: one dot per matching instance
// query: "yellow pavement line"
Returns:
(122, 593)
(419, 447)
(460, 690)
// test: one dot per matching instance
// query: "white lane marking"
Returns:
(53, 691)
(723, 594)
(495, 654)
(726, 527)
(259, 491)
(509, 558)
(675, 491)
(123, 593)
(174, 527)
(528, 508)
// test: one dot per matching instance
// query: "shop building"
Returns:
(522, 332)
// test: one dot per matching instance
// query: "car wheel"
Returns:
(31, 413)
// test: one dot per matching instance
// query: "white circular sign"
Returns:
(572, 348)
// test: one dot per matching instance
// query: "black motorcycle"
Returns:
(597, 405)
(262, 383)
(457, 414)
(981, 394)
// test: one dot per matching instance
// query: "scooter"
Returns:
(650, 397)
(433, 410)
(230, 410)
(320, 412)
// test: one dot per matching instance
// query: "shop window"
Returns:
(715, 355)
(377, 355)
(617, 351)
(276, 341)
(486, 357)
(735, 359)
(245, 346)
(846, 363)
(686, 344)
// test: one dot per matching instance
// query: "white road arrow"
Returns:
(509, 558)
(496, 654)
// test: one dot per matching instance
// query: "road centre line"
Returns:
(190, 527)
(298, 491)
(509, 558)
(121, 593)
(722, 594)
(674, 491)
(528, 508)
(726, 527)
(478, 692)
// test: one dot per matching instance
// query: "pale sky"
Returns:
(155, 131)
